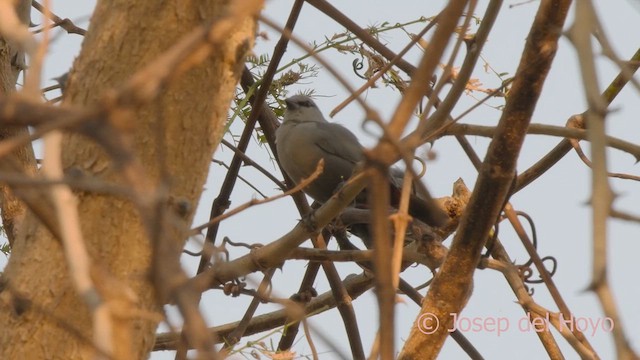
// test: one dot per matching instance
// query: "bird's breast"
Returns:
(299, 154)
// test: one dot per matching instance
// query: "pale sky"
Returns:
(557, 201)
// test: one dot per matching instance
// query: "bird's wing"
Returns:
(336, 140)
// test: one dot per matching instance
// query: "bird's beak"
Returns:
(290, 104)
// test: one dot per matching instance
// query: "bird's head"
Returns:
(301, 108)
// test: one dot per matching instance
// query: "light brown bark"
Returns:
(54, 322)
(22, 160)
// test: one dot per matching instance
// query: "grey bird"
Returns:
(306, 136)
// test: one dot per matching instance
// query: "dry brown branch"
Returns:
(65, 23)
(378, 184)
(274, 253)
(137, 147)
(570, 132)
(304, 183)
(449, 291)
(602, 196)
(609, 94)
(400, 222)
(356, 285)
(372, 80)
(578, 149)
(545, 276)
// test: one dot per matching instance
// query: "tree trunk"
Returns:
(22, 160)
(42, 315)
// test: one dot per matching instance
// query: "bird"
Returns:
(305, 137)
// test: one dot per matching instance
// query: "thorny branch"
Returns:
(21, 112)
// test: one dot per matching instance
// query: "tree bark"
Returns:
(22, 160)
(42, 315)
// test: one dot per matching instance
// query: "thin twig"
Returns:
(304, 183)
(242, 178)
(602, 196)
(66, 24)
(221, 202)
(247, 160)
(450, 289)
(563, 148)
